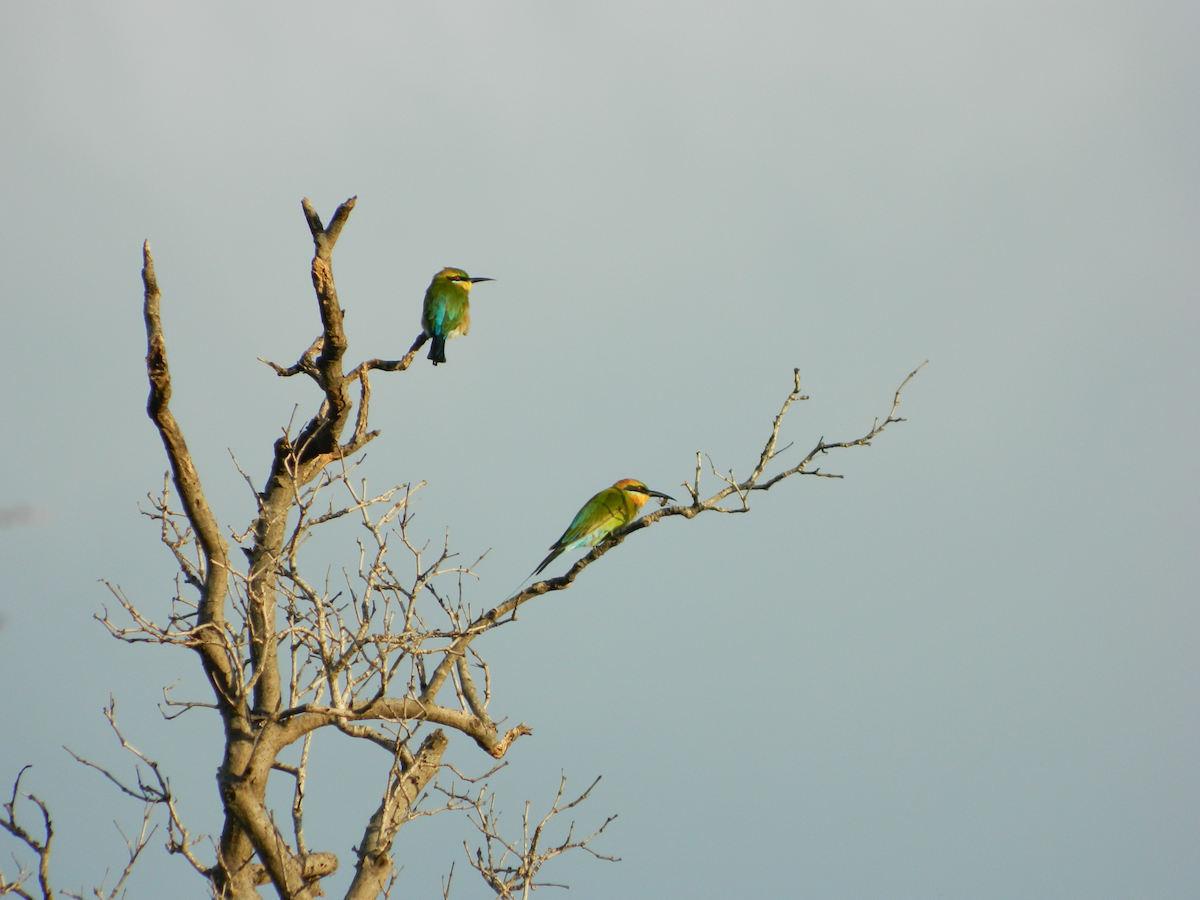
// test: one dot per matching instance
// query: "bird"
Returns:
(610, 510)
(446, 313)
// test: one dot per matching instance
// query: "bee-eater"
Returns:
(447, 312)
(610, 510)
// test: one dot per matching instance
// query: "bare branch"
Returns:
(152, 794)
(511, 867)
(187, 483)
(403, 790)
(307, 363)
(134, 848)
(390, 365)
(506, 611)
(41, 847)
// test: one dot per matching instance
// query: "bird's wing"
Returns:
(432, 313)
(444, 312)
(598, 518)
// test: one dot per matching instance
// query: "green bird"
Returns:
(610, 510)
(447, 310)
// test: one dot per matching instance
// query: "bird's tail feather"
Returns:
(437, 349)
(545, 562)
(549, 559)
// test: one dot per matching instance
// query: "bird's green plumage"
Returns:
(447, 310)
(606, 513)
(609, 510)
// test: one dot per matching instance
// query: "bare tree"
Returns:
(384, 655)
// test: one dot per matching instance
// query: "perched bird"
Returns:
(610, 510)
(447, 312)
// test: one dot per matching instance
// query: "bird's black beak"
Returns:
(477, 280)
(661, 496)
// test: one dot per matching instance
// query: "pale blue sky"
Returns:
(968, 670)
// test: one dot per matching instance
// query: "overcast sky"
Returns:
(967, 670)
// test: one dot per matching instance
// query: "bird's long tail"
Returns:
(437, 350)
(554, 554)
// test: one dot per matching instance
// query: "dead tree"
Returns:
(386, 657)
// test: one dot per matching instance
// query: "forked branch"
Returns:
(40, 846)
(509, 867)
(153, 792)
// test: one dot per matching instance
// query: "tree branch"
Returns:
(151, 794)
(40, 847)
(404, 787)
(211, 619)
(504, 612)
(529, 854)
